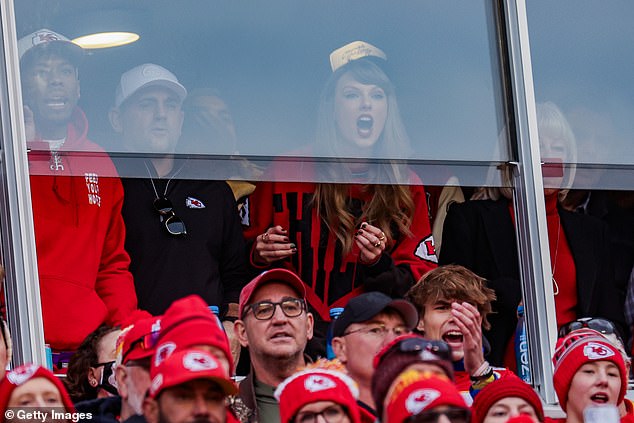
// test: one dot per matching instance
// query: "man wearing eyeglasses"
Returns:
(182, 231)
(275, 326)
(77, 198)
(367, 323)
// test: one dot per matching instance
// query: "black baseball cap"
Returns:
(365, 306)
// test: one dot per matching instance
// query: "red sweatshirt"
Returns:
(79, 235)
(331, 277)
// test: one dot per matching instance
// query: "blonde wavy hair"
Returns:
(391, 207)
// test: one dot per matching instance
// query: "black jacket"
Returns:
(208, 261)
(480, 235)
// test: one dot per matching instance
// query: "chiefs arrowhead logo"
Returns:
(315, 383)
(21, 374)
(426, 250)
(418, 400)
(198, 362)
(596, 351)
(163, 351)
(194, 203)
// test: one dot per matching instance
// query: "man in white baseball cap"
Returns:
(77, 198)
(178, 228)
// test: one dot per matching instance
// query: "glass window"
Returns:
(268, 63)
(258, 77)
(581, 55)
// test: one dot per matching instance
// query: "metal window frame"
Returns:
(530, 211)
(18, 236)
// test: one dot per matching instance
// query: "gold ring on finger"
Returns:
(377, 244)
(265, 237)
(382, 237)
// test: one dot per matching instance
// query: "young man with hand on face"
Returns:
(453, 304)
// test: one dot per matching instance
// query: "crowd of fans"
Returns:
(141, 260)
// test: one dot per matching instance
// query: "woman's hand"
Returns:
(273, 245)
(371, 242)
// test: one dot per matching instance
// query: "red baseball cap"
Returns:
(139, 340)
(271, 276)
(187, 365)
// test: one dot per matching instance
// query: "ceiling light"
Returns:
(106, 39)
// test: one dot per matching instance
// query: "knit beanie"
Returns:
(189, 323)
(578, 348)
(509, 385)
(22, 374)
(415, 392)
(313, 385)
(391, 361)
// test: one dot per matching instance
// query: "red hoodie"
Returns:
(79, 235)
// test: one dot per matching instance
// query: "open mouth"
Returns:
(453, 337)
(600, 398)
(364, 125)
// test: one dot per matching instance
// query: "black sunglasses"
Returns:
(599, 324)
(172, 223)
(429, 349)
(455, 415)
(145, 342)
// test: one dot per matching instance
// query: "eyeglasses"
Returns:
(603, 326)
(380, 331)
(173, 224)
(264, 310)
(455, 415)
(332, 414)
(146, 342)
(428, 349)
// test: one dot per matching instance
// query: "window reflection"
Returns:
(446, 75)
(581, 57)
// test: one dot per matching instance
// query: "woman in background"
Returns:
(369, 229)
(480, 235)
(90, 373)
